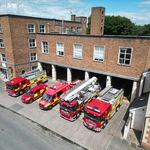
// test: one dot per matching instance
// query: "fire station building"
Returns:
(66, 52)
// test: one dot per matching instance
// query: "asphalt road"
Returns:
(19, 133)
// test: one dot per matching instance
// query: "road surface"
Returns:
(19, 133)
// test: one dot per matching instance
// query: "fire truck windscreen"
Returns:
(47, 97)
(12, 86)
(69, 109)
(92, 117)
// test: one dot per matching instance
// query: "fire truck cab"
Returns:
(34, 93)
(100, 110)
(52, 96)
(73, 102)
(96, 114)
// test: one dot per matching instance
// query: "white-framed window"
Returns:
(3, 57)
(42, 28)
(125, 55)
(31, 28)
(60, 48)
(33, 56)
(1, 28)
(99, 53)
(45, 48)
(32, 43)
(33, 67)
(77, 51)
(1, 43)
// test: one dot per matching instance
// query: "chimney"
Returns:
(73, 17)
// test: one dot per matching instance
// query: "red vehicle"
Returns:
(34, 93)
(73, 102)
(17, 86)
(98, 112)
(52, 96)
(21, 84)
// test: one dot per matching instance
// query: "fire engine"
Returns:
(34, 93)
(73, 102)
(52, 96)
(21, 84)
(98, 112)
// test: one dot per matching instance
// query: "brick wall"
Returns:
(110, 65)
(16, 36)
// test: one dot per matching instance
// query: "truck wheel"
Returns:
(50, 107)
(104, 125)
(31, 100)
(78, 114)
(21, 92)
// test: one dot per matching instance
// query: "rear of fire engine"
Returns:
(17, 86)
(21, 84)
(98, 112)
(73, 102)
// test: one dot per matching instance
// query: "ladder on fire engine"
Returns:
(83, 91)
(35, 74)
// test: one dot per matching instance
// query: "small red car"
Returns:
(34, 93)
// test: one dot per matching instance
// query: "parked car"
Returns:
(34, 93)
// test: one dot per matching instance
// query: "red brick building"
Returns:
(18, 43)
(66, 52)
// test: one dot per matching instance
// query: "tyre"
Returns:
(21, 92)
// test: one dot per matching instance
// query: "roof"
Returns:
(98, 105)
(15, 80)
(32, 17)
(98, 36)
(36, 88)
(140, 101)
(56, 88)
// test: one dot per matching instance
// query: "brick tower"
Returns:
(97, 20)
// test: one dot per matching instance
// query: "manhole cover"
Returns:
(16, 107)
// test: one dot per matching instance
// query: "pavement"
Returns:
(109, 138)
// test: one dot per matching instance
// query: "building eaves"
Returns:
(32, 17)
(97, 36)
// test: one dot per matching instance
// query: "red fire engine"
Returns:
(21, 84)
(98, 112)
(73, 102)
(52, 96)
(34, 93)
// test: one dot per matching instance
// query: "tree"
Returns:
(118, 25)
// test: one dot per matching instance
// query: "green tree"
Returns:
(117, 25)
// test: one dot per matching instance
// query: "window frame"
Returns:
(44, 29)
(31, 45)
(2, 45)
(35, 66)
(74, 56)
(3, 59)
(31, 57)
(30, 29)
(1, 28)
(42, 47)
(124, 64)
(103, 53)
(59, 51)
